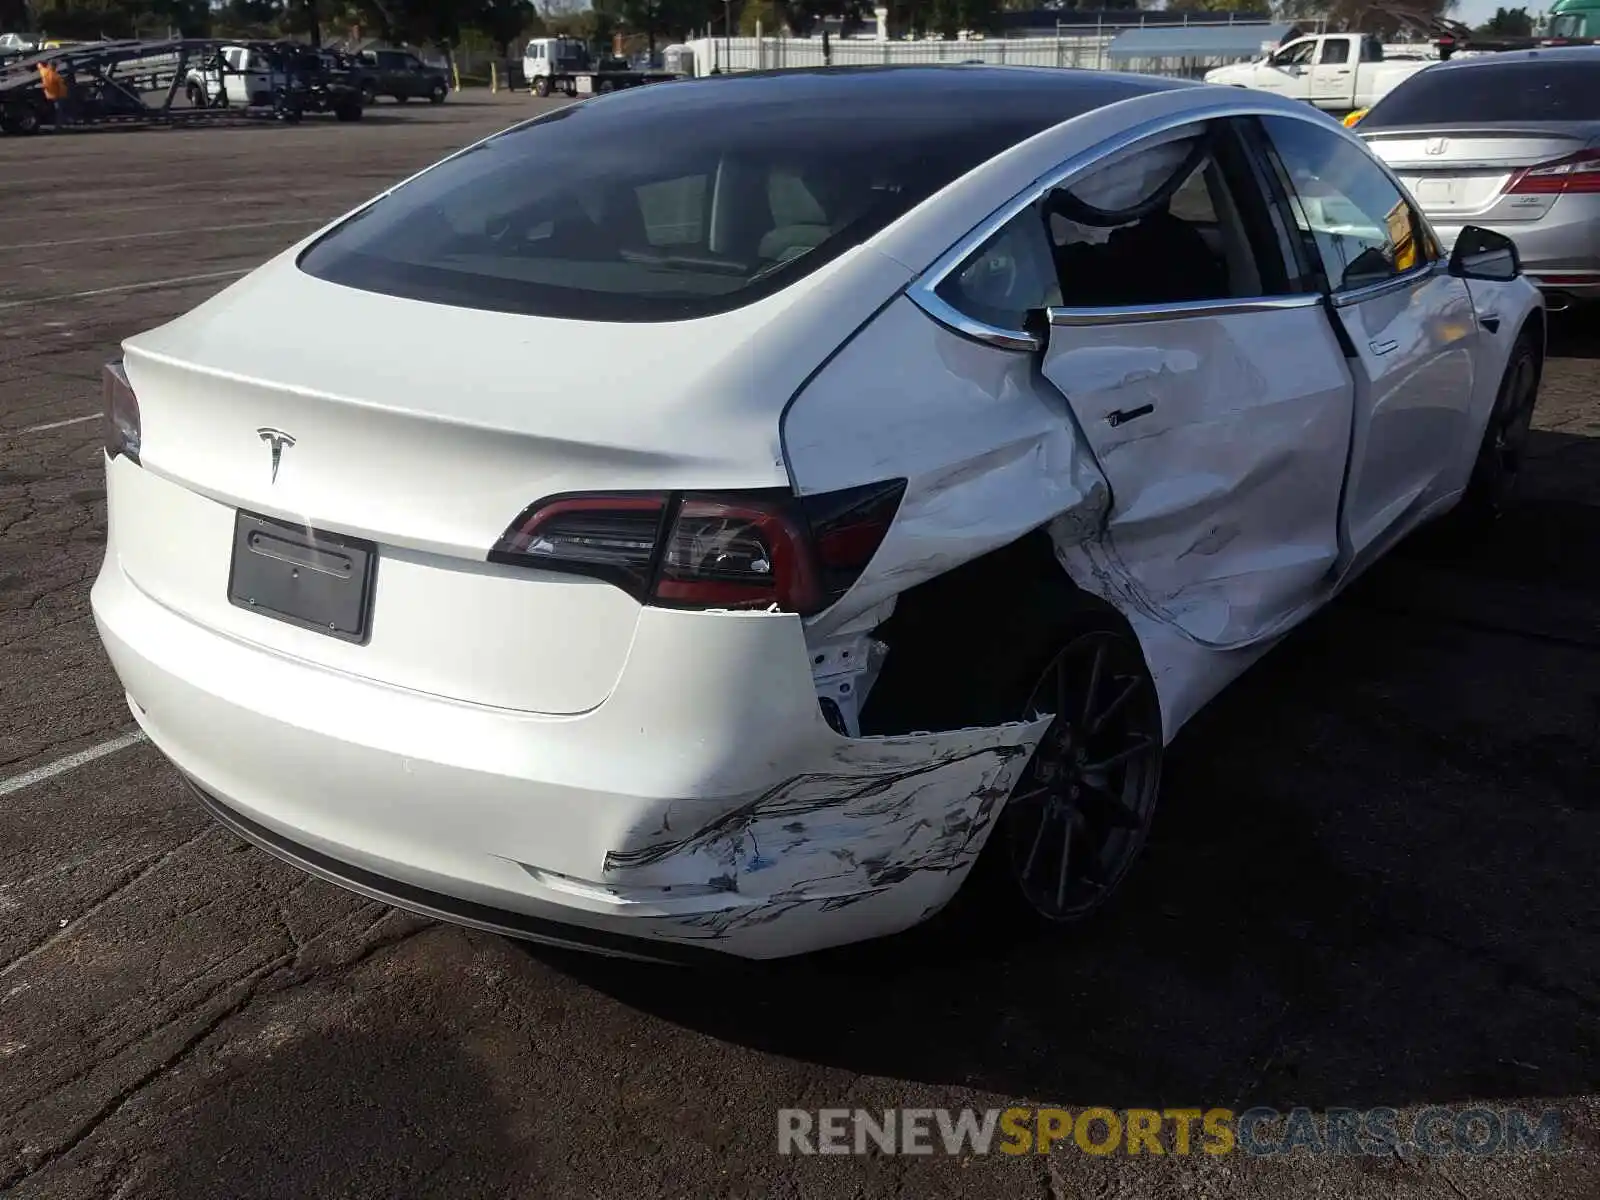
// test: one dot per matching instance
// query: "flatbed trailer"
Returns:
(592, 83)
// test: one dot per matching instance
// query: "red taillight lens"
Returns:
(610, 537)
(119, 413)
(848, 527)
(710, 550)
(735, 553)
(1579, 173)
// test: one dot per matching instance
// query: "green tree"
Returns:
(504, 22)
(949, 17)
(248, 16)
(1363, 16)
(1508, 22)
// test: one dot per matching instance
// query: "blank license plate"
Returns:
(1444, 192)
(317, 580)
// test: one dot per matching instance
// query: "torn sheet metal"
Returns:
(894, 821)
(1188, 472)
(987, 453)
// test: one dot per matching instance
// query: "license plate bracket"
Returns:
(307, 577)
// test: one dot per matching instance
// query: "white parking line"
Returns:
(161, 233)
(149, 284)
(59, 424)
(50, 770)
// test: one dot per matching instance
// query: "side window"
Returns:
(1371, 50)
(1362, 227)
(672, 210)
(1335, 50)
(1179, 222)
(1010, 276)
(1294, 56)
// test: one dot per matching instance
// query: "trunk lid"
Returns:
(1461, 172)
(427, 430)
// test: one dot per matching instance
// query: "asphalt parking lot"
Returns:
(1372, 883)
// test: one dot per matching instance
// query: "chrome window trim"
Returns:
(1384, 287)
(954, 319)
(1140, 314)
(923, 291)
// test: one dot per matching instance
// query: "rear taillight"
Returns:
(764, 549)
(1579, 173)
(119, 413)
(737, 552)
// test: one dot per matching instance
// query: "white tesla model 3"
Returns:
(736, 516)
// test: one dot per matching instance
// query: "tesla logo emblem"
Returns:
(279, 441)
(1436, 146)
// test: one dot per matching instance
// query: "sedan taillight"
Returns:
(1577, 173)
(119, 413)
(763, 549)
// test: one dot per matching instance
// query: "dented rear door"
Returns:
(1223, 430)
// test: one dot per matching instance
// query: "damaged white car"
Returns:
(738, 516)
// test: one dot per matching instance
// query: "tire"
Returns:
(369, 95)
(1505, 439)
(1053, 634)
(348, 112)
(401, 97)
(24, 121)
(1066, 804)
(437, 95)
(197, 96)
(541, 86)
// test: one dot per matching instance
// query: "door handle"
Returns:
(1384, 347)
(1122, 416)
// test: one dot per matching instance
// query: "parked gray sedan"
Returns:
(1510, 142)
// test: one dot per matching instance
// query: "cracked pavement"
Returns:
(1371, 882)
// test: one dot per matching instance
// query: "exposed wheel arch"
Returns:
(953, 633)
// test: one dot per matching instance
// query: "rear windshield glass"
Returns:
(1529, 90)
(641, 208)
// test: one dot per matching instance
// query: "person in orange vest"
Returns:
(55, 90)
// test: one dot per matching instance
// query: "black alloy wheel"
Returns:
(1081, 811)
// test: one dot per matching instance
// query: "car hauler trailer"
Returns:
(563, 64)
(170, 81)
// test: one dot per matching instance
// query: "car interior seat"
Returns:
(1158, 260)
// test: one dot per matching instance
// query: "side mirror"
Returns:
(1484, 254)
